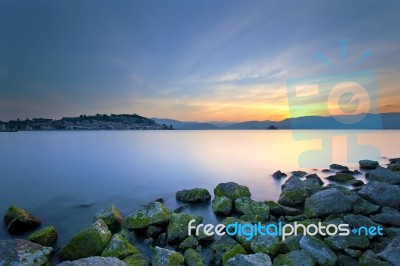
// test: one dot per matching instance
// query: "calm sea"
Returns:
(66, 177)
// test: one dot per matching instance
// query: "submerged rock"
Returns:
(165, 257)
(338, 167)
(368, 164)
(192, 258)
(385, 175)
(45, 236)
(98, 261)
(382, 194)
(88, 242)
(19, 221)
(154, 213)
(278, 174)
(258, 259)
(248, 206)
(295, 258)
(318, 250)
(222, 205)
(177, 229)
(295, 191)
(326, 202)
(23, 253)
(193, 195)
(111, 216)
(231, 190)
(340, 177)
(119, 247)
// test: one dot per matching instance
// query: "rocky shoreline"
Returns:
(115, 239)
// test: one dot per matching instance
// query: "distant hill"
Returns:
(185, 125)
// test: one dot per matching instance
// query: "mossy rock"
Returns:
(338, 242)
(154, 213)
(45, 236)
(231, 190)
(165, 257)
(19, 221)
(98, 261)
(88, 242)
(277, 209)
(111, 216)
(119, 247)
(236, 250)
(189, 242)
(246, 205)
(192, 258)
(265, 244)
(220, 246)
(137, 260)
(294, 258)
(320, 251)
(19, 252)
(252, 218)
(258, 259)
(193, 195)
(222, 205)
(178, 226)
(340, 177)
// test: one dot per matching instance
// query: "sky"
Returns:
(209, 60)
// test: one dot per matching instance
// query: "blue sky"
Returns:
(187, 60)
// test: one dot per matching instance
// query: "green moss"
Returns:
(111, 216)
(165, 257)
(236, 250)
(192, 258)
(119, 247)
(45, 237)
(340, 177)
(137, 260)
(189, 242)
(154, 213)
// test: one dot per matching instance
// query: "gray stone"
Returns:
(361, 205)
(265, 244)
(371, 259)
(382, 194)
(193, 195)
(295, 191)
(385, 175)
(356, 221)
(386, 219)
(326, 202)
(277, 209)
(344, 260)
(23, 253)
(154, 213)
(351, 241)
(231, 190)
(177, 229)
(98, 261)
(368, 164)
(250, 260)
(318, 250)
(222, 205)
(165, 257)
(193, 258)
(246, 205)
(392, 252)
(295, 258)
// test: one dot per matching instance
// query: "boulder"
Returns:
(321, 253)
(278, 174)
(222, 205)
(236, 250)
(277, 209)
(368, 164)
(246, 205)
(219, 247)
(258, 259)
(45, 236)
(88, 242)
(265, 244)
(392, 252)
(299, 173)
(355, 183)
(371, 259)
(295, 191)
(165, 257)
(338, 242)
(326, 202)
(382, 194)
(344, 260)
(295, 258)
(119, 247)
(98, 261)
(385, 175)
(357, 220)
(340, 177)
(316, 178)
(192, 258)
(154, 213)
(361, 205)
(23, 253)
(111, 216)
(137, 260)
(189, 242)
(193, 195)
(386, 219)
(177, 229)
(338, 167)
(231, 190)
(19, 221)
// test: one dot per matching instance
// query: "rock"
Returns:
(153, 231)
(19, 221)
(45, 236)
(137, 260)
(321, 253)
(393, 232)
(360, 205)
(236, 250)
(246, 205)
(250, 260)
(277, 209)
(295, 191)
(292, 243)
(356, 221)
(387, 219)
(178, 226)
(344, 260)
(192, 258)
(165, 257)
(119, 247)
(351, 241)
(327, 171)
(385, 175)
(252, 218)
(371, 259)
(340, 177)
(222, 205)
(326, 202)
(193, 195)
(189, 242)
(338, 167)
(278, 174)
(154, 213)
(222, 245)
(368, 164)
(265, 244)
(316, 178)
(355, 183)
(88, 242)
(98, 261)
(23, 253)
(349, 172)
(162, 240)
(181, 208)
(299, 173)
(111, 216)
(204, 239)
(382, 194)
(294, 258)
(353, 252)
(232, 190)
(392, 252)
